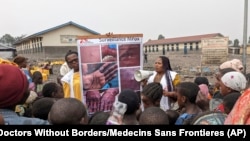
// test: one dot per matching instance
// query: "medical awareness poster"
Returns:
(107, 66)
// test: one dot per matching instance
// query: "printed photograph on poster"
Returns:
(129, 55)
(90, 54)
(127, 79)
(107, 66)
(109, 53)
(100, 75)
(100, 100)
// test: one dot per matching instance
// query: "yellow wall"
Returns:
(54, 38)
(248, 50)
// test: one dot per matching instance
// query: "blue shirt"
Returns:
(11, 118)
(184, 117)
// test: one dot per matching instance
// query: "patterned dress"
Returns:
(240, 114)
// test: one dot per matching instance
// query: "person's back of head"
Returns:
(189, 90)
(37, 77)
(14, 86)
(41, 107)
(20, 61)
(130, 98)
(14, 91)
(99, 118)
(52, 89)
(152, 94)
(68, 111)
(229, 101)
(172, 116)
(201, 80)
(153, 116)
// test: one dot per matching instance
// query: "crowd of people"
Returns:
(163, 100)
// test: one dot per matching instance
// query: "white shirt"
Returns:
(164, 103)
(64, 69)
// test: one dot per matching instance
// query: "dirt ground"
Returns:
(189, 66)
(185, 65)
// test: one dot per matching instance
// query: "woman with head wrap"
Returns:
(217, 96)
(231, 82)
(236, 64)
(14, 91)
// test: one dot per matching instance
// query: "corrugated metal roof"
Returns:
(57, 27)
(4, 47)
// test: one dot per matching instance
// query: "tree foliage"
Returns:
(18, 38)
(9, 40)
(236, 43)
(161, 37)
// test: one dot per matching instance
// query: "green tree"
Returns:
(18, 38)
(7, 39)
(236, 43)
(161, 37)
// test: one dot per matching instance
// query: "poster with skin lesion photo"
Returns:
(90, 54)
(99, 75)
(109, 53)
(129, 55)
(127, 79)
(107, 66)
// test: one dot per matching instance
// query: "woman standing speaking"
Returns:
(168, 78)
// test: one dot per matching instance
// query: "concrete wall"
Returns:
(55, 38)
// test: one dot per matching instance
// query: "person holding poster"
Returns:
(71, 81)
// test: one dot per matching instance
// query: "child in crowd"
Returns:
(186, 97)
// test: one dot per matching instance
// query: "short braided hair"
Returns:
(153, 91)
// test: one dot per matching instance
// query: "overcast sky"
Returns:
(171, 18)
